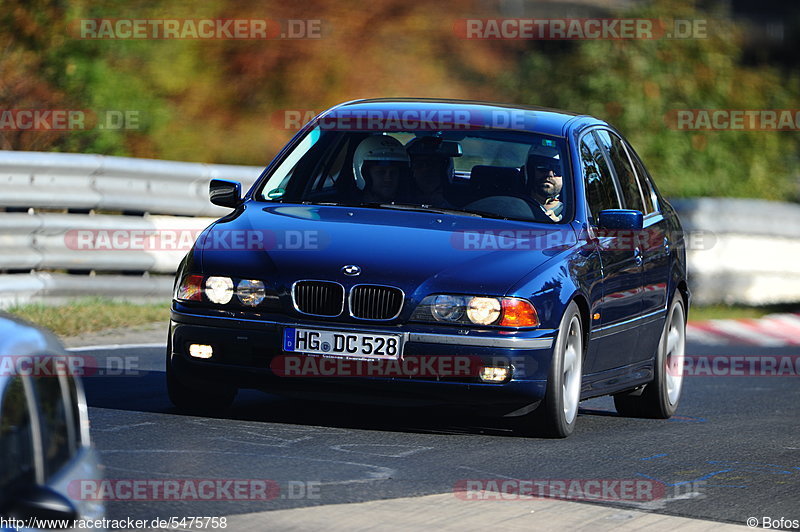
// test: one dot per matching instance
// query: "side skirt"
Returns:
(617, 379)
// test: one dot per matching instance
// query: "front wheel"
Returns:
(555, 417)
(659, 399)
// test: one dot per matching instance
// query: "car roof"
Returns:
(525, 117)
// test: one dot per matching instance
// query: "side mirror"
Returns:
(225, 193)
(620, 219)
(43, 503)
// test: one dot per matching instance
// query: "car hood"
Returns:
(419, 252)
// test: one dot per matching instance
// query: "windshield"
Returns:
(493, 173)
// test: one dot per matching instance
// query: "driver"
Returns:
(381, 162)
(545, 181)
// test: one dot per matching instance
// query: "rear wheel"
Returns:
(212, 398)
(659, 399)
(555, 417)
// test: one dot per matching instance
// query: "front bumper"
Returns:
(245, 351)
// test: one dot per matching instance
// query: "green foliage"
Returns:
(222, 100)
(638, 85)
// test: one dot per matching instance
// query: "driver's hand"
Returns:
(553, 208)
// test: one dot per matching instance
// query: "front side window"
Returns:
(624, 169)
(601, 191)
(497, 173)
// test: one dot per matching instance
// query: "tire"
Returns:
(659, 399)
(556, 415)
(210, 399)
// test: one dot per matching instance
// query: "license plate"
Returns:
(343, 344)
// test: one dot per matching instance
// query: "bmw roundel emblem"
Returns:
(351, 270)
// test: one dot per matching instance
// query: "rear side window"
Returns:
(53, 418)
(624, 169)
(17, 467)
(601, 192)
(645, 183)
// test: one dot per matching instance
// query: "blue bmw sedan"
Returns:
(513, 259)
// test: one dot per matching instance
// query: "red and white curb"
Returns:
(775, 330)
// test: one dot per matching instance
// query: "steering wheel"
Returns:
(513, 206)
(537, 210)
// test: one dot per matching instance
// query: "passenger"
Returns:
(545, 183)
(381, 162)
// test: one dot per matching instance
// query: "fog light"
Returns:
(494, 373)
(200, 351)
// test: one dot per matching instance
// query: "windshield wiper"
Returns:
(486, 214)
(417, 208)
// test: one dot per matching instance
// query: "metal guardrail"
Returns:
(158, 196)
(99, 182)
(51, 241)
(750, 252)
(58, 288)
(739, 216)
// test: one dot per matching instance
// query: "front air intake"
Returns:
(318, 298)
(375, 302)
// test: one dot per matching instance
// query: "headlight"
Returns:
(448, 308)
(477, 310)
(219, 289)
(250, 292)
(483, 310)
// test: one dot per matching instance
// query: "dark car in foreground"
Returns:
(513, 259)
(44, 432)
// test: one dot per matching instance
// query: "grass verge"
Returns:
(722, 312)
(96, 314)
(91, 314)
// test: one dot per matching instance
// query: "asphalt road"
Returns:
(732, 452)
